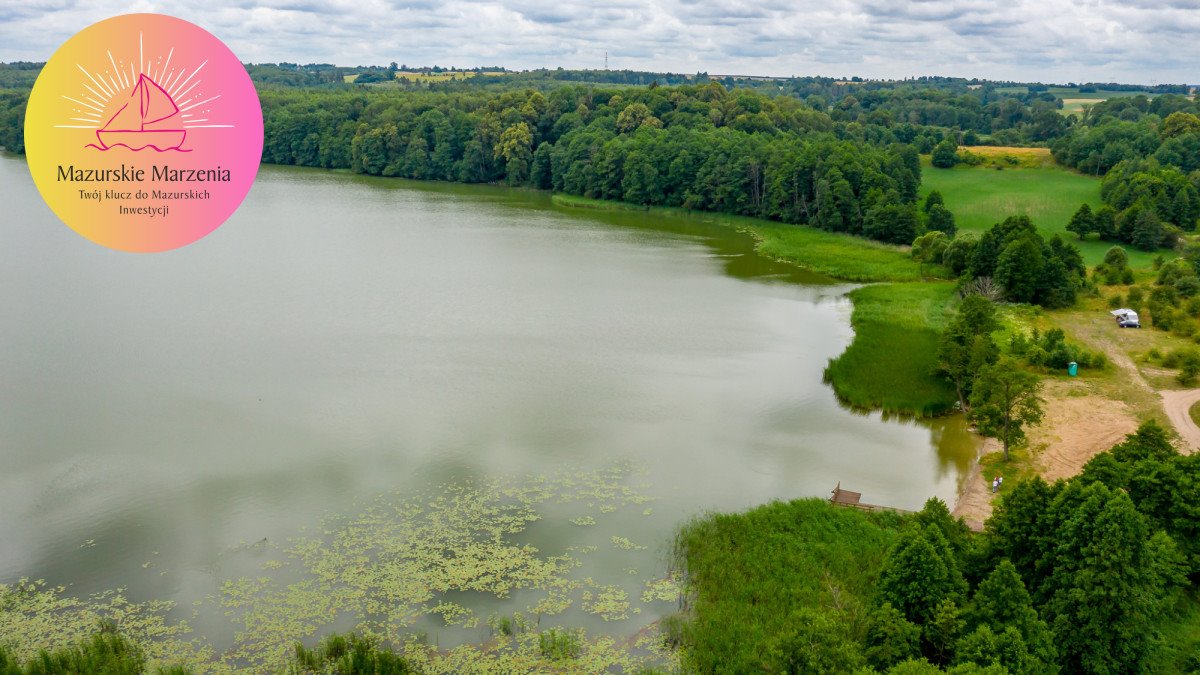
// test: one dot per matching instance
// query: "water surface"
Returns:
(341, 337)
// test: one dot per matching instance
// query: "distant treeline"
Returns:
(840, 155)
(694, 146)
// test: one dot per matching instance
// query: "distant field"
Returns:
(433, 77)
(1073, 100)
(979, 197)
(998, 155)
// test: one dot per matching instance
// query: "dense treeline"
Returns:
(12, 119)
(1149, 150)
(19, 75)
(1081, 576)
(1009, 119)
(699, 147)
(1146, 205)
(295, 75)
(1010, 261)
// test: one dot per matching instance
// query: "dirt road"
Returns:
(1177, 404)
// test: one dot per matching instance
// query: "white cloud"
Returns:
(1048, 40)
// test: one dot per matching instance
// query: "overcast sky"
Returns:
(1144, 41)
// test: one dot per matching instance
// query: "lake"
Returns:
(170, 422)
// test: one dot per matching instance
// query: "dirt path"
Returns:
(1177, 404)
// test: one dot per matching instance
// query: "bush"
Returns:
(1189, 372)
(1052, 351)
(1187, 287)
(559, 645)
(945, 155)
(1162, 317)
(1183, 327)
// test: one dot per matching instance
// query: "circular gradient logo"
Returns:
(143, 133)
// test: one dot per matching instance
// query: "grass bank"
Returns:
(749, 573)
(840, 256)
(890, 365)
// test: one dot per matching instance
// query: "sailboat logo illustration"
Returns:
(143, 103)
(150, 118)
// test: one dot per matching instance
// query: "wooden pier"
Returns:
(853, 500)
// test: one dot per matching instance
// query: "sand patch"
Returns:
(1076, 428)
(974, 503)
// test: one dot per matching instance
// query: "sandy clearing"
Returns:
(1077, 426)
(1076, 429)
(1177, 404)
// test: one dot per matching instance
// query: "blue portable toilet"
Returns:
(1072, 369)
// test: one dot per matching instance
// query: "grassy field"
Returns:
(979, 197)
(750, 573)
(890, 364)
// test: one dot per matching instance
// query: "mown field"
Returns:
(980, 197)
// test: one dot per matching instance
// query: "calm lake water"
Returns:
(342, 337)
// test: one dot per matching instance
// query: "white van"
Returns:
(1126, 318)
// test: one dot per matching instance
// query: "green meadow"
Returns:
(837, 255)
(981, 197)
(890, 365)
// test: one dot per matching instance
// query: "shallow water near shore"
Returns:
(353, 366)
